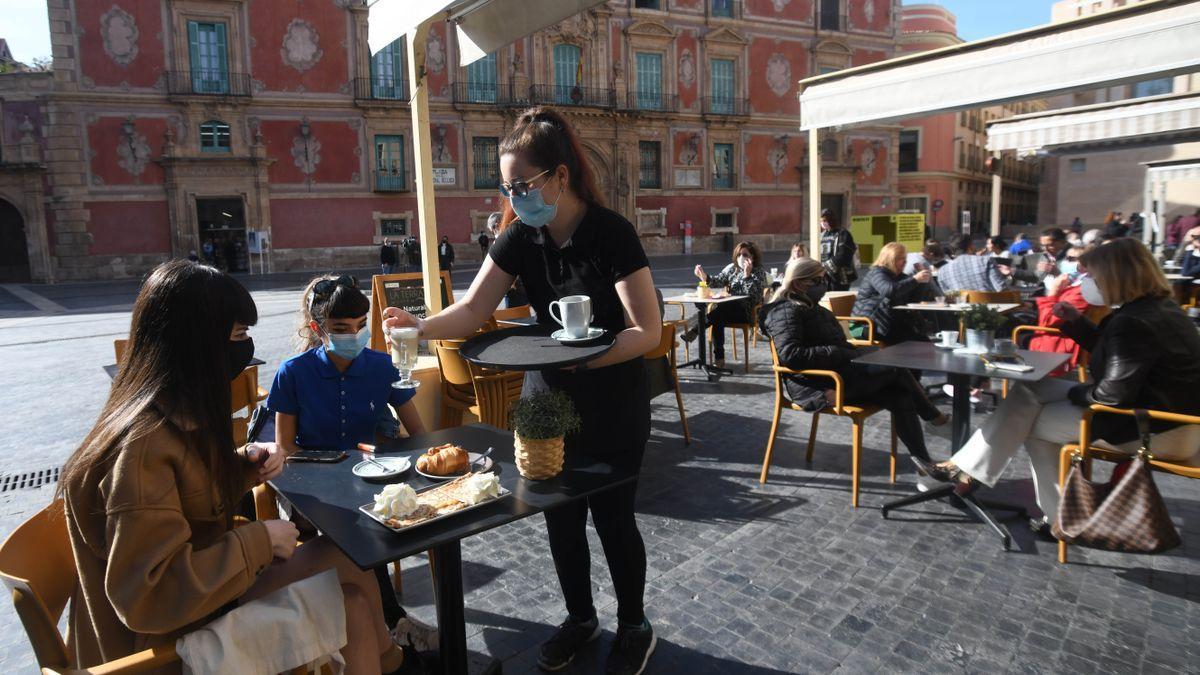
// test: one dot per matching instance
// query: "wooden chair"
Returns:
(666, 347)
(841, 304)
(519, 312)
(857, 414)
(486, 394)
(681, 325)
(119, 348)
(243, 397)
(990, 297)
(748, 329)
(1188, 469)
(1094, 314)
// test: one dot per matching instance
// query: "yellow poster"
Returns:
(872, 232)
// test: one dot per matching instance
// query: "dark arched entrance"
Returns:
(14, 252)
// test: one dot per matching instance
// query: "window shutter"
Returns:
(722, 86)
(222, 60)
(194, 54)
(566, 67)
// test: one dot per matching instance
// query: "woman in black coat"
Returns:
(808, 336)
(886, 286)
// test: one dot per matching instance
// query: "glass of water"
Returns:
(403, 342)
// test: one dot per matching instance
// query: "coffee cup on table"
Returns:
(949, 337)
(1005, 347)
(574, 314)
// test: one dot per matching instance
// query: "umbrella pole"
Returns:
(814, 194)
(423, 161)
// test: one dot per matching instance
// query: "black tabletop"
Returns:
(329, 495)
(924, 356)
(531, 348)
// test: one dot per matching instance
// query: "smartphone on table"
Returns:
(326, 456)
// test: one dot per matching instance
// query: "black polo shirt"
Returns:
(613, 401)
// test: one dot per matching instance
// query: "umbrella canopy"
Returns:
(483, 25)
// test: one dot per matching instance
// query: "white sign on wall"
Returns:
(444, 176)
(687, 177)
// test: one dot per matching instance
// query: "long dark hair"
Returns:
(175, 371)
(545, 139)
(750, 248)
(343, 303)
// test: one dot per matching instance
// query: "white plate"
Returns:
(369, 471)
(952, 345)
(370, 513)
(561, 335)
(483, 467)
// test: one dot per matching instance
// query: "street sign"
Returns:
(937, 205)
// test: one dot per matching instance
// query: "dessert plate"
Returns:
(395, 466)
(370, 513)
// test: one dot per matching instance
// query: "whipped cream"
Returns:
(396, 501)
(480, 487)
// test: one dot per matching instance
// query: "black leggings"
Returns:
(722, 315)
(899, 392)
(613, 516)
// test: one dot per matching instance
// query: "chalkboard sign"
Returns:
(406, 291)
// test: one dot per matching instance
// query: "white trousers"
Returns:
(1041, 419)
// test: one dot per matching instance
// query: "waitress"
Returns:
(559, 240)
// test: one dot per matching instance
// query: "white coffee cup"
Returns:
(949, 337)
(574, 314)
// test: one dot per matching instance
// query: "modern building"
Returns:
(1091, 184)
(166, 125)
(943, 164)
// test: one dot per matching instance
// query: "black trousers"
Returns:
(613, 516)
(900, 393)
(721, 316)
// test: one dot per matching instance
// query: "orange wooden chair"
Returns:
(666, 347)
(1088, 452)
(1094, 314)
(486, 394)
(519, 312)
(857, 415)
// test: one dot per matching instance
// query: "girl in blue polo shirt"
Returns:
(336, 394)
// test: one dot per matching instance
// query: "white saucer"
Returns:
(952, 345)
(368, 471)
(561, 335)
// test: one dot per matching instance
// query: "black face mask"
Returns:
(238, 355)
(816, 291)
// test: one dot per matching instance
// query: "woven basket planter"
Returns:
(539, 459)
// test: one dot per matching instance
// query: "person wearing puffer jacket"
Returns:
(808, 336)
(886, 286)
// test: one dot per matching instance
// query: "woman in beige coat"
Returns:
(150, 494)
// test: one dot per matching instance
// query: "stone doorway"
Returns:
(221, 223)
(14, 249)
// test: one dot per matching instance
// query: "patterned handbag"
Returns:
(1125, 514)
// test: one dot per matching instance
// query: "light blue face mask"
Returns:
(1068, 267)
(348, 346)
(533, 210)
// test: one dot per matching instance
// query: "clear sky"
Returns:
(23, 23)
(985, 18)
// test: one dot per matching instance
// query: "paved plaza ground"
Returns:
(743, 578)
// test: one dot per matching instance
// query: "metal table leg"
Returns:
(452, 621)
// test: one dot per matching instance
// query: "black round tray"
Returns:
(531, 348)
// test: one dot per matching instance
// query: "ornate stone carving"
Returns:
(132, 149)
(779, 74)
(435, 53)
(687, 68)
(441, 152)
(777, 157)
(869, 11)
(306, 150)
(690, 153)
(517, 65)
(301, 48)
(119, 33)
(779, 4)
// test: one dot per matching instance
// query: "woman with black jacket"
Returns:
(837, 252)
(808, 336)
(886, 286)
(1146, 354)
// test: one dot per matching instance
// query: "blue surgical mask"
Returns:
(533, 210)
(1068, 267)
(348, 346)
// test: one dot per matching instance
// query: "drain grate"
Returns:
(29, 480)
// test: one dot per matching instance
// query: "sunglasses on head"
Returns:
(1072, 258)
(519, 188)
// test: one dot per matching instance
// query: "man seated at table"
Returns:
(1036, 267)
(931, 257)
(969, 272)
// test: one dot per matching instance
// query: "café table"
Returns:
(959, 369)
(329, 495)
(702, 304)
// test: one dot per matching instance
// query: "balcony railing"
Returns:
(652, 102)
(483, 93)
(380, 89)
(208, 83)
(553, 94)
(726, 105)
(390, 181)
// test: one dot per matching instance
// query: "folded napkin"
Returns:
(1016, 367)
(295, 625)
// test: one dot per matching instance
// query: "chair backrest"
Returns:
(495, 393)
(519, 312)
(841, 304)
(454, 369)
(37, 566)
(243, 391)
(987, 297)
(666, 342)
(119, 348)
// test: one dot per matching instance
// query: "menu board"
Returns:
(406, 291)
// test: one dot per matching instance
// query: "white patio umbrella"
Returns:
(483, 26)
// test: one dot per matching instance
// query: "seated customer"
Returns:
(968, 272)
(799, 250)
(885, 286)
(1066, 288)
(744, 276)
(150, 494)
(931, 257)
(808, 336)
(337, 394)
(1146, 354)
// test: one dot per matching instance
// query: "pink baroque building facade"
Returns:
(167, 125)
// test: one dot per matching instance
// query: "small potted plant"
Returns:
(540, 423)
(981, 323)
(702, 290)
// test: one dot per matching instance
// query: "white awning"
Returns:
(1161, 119)
(1161, 172)
(1146, 40)
(483, 25)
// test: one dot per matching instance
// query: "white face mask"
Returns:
(1091, 292)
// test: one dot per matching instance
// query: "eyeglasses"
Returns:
(519, 188)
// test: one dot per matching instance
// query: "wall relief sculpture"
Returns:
(119, 32)
(435, 53)
(306, 150)
(780, 4)
(133, 152)
(300, 48)
(777, 157)
(687, 68)
(779, 74)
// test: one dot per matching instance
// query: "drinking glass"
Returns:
(404, 343)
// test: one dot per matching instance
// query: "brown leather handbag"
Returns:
(1125, 514)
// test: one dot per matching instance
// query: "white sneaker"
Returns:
(413, 633)
(948, 389)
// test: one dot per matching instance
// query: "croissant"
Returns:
(443, 460)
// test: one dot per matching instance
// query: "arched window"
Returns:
(214, 136)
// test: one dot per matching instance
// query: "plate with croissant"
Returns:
(450, 461)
